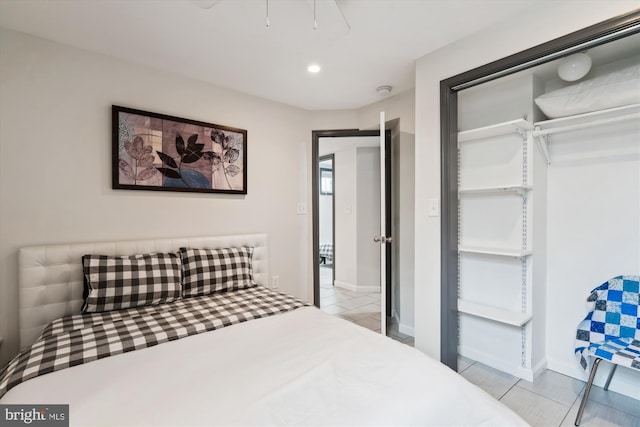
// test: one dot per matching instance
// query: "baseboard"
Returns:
(489, 360)
(355, 288)
(540, 367)
(407, 330)
(395, 317)
(529, 374)
(572, 370)
(344, 285)
(361, 288)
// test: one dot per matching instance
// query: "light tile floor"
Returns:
(551, 400)
(362, 308)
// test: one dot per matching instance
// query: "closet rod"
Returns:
(541, 132)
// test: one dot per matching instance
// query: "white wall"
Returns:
(325, 211)
(368, 221)
(346, 208)
(593, 231)
(502, 100)
(357, 200)
(55, 163)
(547, 21)
(333, 119)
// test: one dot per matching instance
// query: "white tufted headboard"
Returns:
(51, 281)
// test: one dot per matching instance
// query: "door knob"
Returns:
(382, 239)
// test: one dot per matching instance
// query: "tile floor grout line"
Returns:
(467, 367)
(510, 388)
(592, 399)
(567, 414)
(542, 395)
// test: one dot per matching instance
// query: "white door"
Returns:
(382, 238)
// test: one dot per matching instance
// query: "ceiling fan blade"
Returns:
(205, 4)
(337, 2)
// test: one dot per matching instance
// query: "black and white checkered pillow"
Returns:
(114, 283)
(205, 271)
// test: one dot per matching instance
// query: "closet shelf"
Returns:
(514, 318)
(518, 189)
(594, 118)
(514, 126)
(514, 253)
(546, 128)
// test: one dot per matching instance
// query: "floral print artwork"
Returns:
(177, 155)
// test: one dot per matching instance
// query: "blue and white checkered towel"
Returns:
(611, 330)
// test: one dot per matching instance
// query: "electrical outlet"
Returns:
(275, 282)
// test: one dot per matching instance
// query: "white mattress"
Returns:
(299, 368)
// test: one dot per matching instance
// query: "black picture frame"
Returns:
(152, 151)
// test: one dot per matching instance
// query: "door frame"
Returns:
(315, 183)
(601, 33)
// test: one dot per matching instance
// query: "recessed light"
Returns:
(313, 68)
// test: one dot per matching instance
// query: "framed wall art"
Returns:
(159, 152)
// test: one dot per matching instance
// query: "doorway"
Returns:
(327, 214)
(330, 255)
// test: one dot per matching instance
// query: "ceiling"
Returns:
(360, 44)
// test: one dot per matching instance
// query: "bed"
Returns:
(326, 253)
(248, 355)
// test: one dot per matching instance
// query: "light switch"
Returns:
(301, 209)
(433, 207)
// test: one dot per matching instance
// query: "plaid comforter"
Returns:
(326, 250)
(76, 339)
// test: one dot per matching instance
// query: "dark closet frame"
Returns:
(595, 35)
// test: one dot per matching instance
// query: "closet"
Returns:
(502, 194)
(548, 207)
